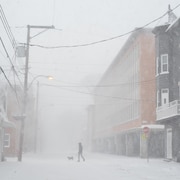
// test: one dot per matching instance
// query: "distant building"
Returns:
(6, 140)
(124, 102)
(10, 111)
(168, 83)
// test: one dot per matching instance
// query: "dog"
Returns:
(70, 158)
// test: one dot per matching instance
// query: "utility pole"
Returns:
(23, 113)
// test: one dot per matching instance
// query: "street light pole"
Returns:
(36, 118)
(21, 140)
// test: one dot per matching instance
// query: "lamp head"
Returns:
(50, 78)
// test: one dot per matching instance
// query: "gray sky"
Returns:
(81, 22)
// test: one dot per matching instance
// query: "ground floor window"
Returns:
(6, 140)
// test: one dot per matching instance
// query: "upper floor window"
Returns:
(164, 63)
(157, 65)
(158, 99)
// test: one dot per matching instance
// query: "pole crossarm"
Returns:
(41, 27)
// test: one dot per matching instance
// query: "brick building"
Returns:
(125, 101)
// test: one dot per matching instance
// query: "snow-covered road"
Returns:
(96, 167)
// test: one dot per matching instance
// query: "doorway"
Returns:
(169, 143)
(165, 97)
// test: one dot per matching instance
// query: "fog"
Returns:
(61, 130)
(63, 101)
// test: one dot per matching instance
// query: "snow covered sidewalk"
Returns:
(96, 167)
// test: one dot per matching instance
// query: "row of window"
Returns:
(162, 65)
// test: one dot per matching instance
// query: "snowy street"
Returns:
(96, 167)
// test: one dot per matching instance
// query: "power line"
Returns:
(110, 85)
(14, 90)
(10, 60)
(80, 85)
(7, 28)
(105, 85)
(104, 40)
(11, 38)
(6, 77)
(99, 95)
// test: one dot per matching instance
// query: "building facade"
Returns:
(168, 84)
(124, 101)
(6, 126)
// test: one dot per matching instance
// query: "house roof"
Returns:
(6, 124)
(174, 24)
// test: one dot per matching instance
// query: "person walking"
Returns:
(80, 152)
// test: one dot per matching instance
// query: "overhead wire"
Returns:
(11, 39)
(104, 40)
(14, 72)
(11, 86)
(6, 78)
(96, 42)
(7, 28)
(99, 95)
(14, 87)
(80, 85)
(10, 60)
(110, 85)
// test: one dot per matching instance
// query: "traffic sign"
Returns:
(146, 130)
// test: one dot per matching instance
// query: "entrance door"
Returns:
(169, 143)
(164, 97)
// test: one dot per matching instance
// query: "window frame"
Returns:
(157, 98)
(166, 89)
(7, 141)
(162, 64)
(157, 66)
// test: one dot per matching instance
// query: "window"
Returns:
(157, 65)
(6, 140)
(158, 99)
(164, 97)
(164, 63)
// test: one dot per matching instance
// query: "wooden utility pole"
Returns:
(23, 113)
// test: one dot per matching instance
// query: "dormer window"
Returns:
(164, 63)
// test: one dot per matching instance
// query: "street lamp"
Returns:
(23, 115)
(37, 107)
(38, 76)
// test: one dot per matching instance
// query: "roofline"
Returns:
(130, 39)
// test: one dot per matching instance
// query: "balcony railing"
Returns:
(168, 111)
